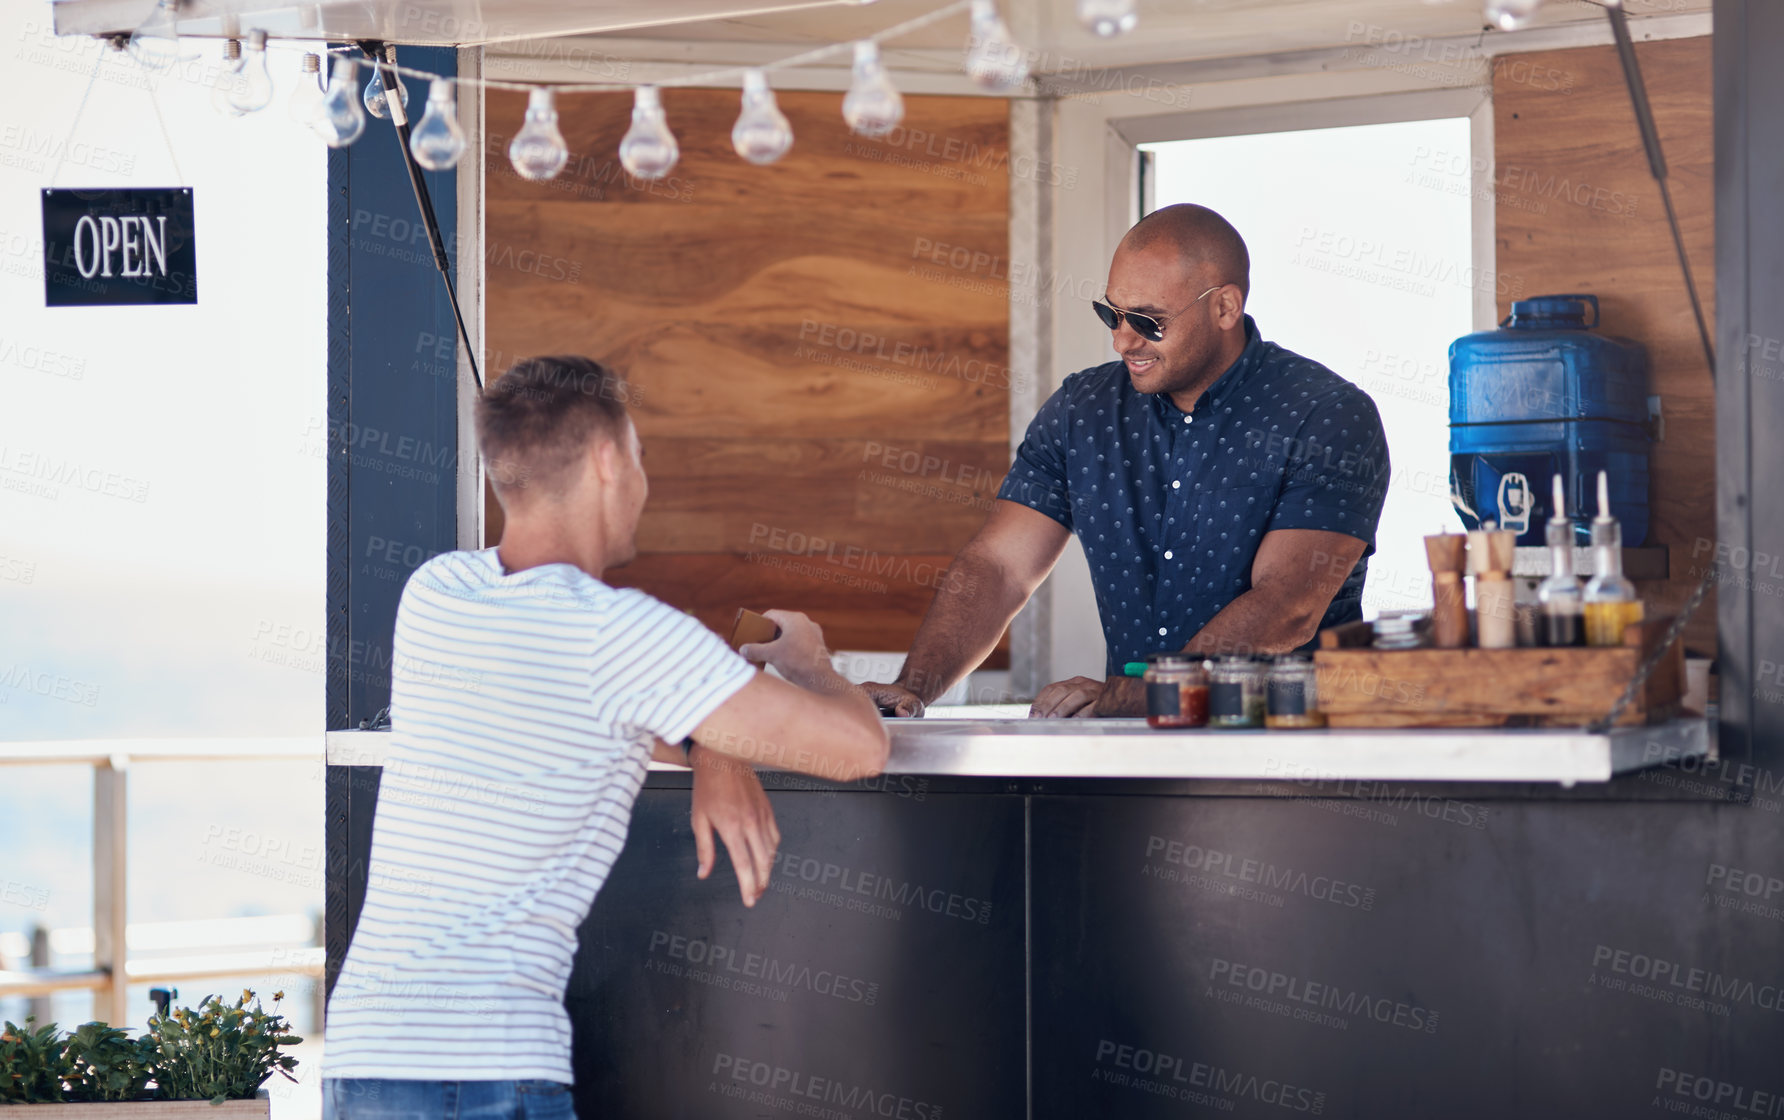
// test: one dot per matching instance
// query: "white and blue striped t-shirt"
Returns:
(523, 708)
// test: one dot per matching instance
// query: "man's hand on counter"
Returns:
(1122, 696)
(894, 699)
(1075, 698)
(1087, 698)
(728, 798)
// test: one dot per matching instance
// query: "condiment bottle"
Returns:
(1495, 606)
(1611, 603)
(1176, 691)
(1563, 622)
(1293, 694)
(1449, 606)
(1236, 693)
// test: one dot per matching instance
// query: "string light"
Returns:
(339, 119)
(438, 141)
(252, 90)
(336, 109)
(155, 44)
(229, 75)
(1509, 15)
(762, 133)
(994, 59)
(649, 149)
(873, 106)
(375, 93)
(306, 100)
(1108, 17)
(538, 150)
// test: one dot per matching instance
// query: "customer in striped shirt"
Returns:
(527, 699)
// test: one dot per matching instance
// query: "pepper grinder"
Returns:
(1490, 552)
(1446, 553)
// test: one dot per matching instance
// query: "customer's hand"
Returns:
(894, 699)
(728, 797)
(798, 654)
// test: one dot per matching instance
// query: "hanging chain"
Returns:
(1653, 660)
(98, 61)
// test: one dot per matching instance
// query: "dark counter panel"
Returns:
(882, 973)
(1225, 956)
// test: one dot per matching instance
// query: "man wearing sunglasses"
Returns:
(1225, 490)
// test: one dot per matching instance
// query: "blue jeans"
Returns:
(376, 1098)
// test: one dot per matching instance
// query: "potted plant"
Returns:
(207, 1063)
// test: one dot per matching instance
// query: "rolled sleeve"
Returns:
(1336, 477)
(1037, 478)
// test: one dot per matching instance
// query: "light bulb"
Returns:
(1509, 15)
(438, 141)
(649, 149)
(155, 44)
(873, 106)
(339, 119)
(993, 58)
(538, 150)
(761, 134)
(375, 93)
(253, 90)
(229, 77)
(306, 99)
(1108, 17)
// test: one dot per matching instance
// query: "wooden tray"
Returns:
(1360, 686)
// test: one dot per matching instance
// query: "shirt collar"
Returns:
(1226, 383)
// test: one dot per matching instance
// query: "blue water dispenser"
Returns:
(1546, 394)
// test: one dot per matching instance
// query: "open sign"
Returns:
(119, 246)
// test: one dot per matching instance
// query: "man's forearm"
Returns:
(1260, 621)
(972, 608)
(1256, 622)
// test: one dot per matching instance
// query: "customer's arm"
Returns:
(814, 722)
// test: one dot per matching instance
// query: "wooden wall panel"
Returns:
(824, 407)
(1577, 211)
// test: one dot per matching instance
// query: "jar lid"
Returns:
(1294, 657)
(1171, 658)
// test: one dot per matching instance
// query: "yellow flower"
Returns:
(278, 995)
(214, 1032)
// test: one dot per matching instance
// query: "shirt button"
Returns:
(1161, 631)
(1167, 554)
(1189, 419)
(1175, 484)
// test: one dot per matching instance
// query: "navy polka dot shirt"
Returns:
(1170, 505)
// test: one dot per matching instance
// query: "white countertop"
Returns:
(991, 744)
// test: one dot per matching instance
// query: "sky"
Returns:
(162, 494)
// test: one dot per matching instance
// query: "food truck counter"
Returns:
(987, 742)
(1034, 919)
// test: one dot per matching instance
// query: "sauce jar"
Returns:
(1293, 690)
(1236, 693)
(1176, 691)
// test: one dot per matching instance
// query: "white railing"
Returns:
(294, 945)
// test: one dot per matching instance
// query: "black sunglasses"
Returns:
(1148, 327)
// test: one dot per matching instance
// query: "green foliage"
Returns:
(106, 1064)
(32, 1064)
(221, 1052)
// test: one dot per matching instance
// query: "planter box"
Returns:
(260, 1107)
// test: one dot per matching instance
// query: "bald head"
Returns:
(1207, 242)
